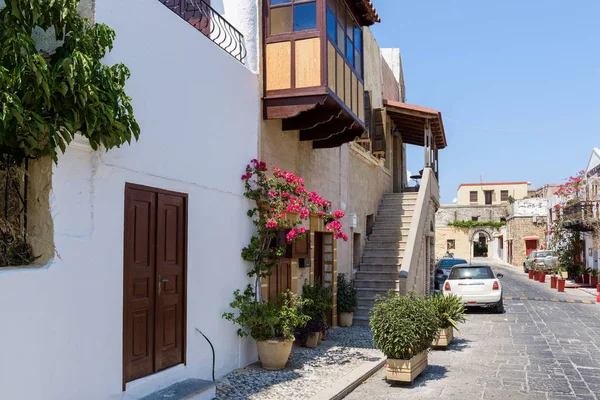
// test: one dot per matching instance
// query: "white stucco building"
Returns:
(75, 327)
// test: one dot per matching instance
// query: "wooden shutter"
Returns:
(368, 116)
(378, 133)
(302, 247)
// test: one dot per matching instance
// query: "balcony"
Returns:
(211, 24)
(581, 215)
(314, 66)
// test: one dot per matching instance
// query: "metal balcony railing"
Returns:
(209, 22)
(582, 211)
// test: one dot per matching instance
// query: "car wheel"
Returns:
(500, 306)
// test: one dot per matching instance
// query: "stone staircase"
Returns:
(384, 251)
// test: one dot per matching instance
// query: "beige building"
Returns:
(338, 120)
(491, 193)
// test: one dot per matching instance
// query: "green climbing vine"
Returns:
(46, 98)
(473, 224)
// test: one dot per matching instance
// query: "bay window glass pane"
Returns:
(305, 16)
(349, 26)
(349, 52)
(357, 38)
(341, 13)
(331, 25)
(275, 2)
(357, 62)
(281, 20)
(341, 38)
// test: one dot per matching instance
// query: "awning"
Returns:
(531, 238)
(410, 120)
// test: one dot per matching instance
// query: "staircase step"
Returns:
(384, 230)
(385, 252)
(377, 284)
(399, 220)
(391, 268)
(190, 389)
(394, 215)
(376, 275)
(382, 260)
(372, 292)
(380, 237)
(386, 244)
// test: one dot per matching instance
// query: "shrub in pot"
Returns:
(318, 304)
(346, 301)
(309, 335)
(271, 324)
(553, 279)
(593, 277)
(561, 270)
(450, 311)
(585, 275)
(403, 329)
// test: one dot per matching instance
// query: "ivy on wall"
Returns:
(46, 99)
(473, 224)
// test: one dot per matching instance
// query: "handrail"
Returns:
(210, 23)
(428, 191)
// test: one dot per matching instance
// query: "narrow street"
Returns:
(538, 349)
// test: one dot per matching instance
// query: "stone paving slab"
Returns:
(553, 299)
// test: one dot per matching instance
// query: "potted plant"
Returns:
(450, 310)
(585, 275)
(542, 274)
(403, 329)
(561, 278)
(317, 305)
(310, 334)
(579, 271)
(553, 279)
(593, 277)
(531, 273)
(346, 301)
(271, 324)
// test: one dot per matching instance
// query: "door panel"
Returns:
(139, 275)
(318, 267)
(154, 281)
(169, 265)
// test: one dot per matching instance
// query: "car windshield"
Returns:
(481, 272)
(545, 253)
(445, 263)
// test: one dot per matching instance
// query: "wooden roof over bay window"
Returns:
(411, 121)
(313, 67)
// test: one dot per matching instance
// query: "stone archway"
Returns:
(481, 241)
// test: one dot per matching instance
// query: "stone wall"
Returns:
(459, 235)
(450, 213)
(519, 227)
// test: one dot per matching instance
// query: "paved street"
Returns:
(538, 349)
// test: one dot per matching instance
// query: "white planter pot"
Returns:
(345, 319)
(406, 370)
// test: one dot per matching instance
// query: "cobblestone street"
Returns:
(538, 349)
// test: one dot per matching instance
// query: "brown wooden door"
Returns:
(154, 281)
(318, 267)
(280, 279)
(530, 245)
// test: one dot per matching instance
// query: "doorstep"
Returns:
(190, 389)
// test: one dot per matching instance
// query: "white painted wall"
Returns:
(198, 108)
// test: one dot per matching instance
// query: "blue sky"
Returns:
(517, 82)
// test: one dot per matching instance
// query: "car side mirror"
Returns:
(499, 276)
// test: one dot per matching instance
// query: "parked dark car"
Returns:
(442, 270)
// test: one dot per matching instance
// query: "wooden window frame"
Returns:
(291, 3)
(504, 195)
(476, 195)
(489, 193)
(333, 41)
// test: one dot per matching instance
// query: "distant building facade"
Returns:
(492, 193)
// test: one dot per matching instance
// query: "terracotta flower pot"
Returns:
(542, 277)
(531, 273)
(319, 337)
(561, 285)
(593, 280)
(406, 370)
(274, 354)
(585, 279)
(553, 282)
(312, 340)
(345, 319)
(598, 287)
(578, 279)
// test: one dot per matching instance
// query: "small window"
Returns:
(504, 195)
(345, 34)
(502, 219)
(450, 244)
(292, 16)
(473, 197)
(488, 197)
(305, 17)
(475, 219)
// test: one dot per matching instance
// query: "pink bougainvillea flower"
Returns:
(301, 230)
(338, 214)
(321, 213)
(272, 224)
(304, 213)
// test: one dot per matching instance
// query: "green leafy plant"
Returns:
(403, 326)
(585, 271)
(46, 98)
(318, 301)
(474, 224)
(346, 295)
(267, 320)
(511, 199)
(450, 310)
(594, 272)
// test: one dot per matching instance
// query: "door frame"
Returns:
(184, 196)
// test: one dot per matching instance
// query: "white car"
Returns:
(477, 285)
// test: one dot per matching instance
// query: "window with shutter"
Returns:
(378, 132)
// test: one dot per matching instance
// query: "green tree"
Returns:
(46, 99)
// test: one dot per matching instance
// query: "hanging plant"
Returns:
(46, 98)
